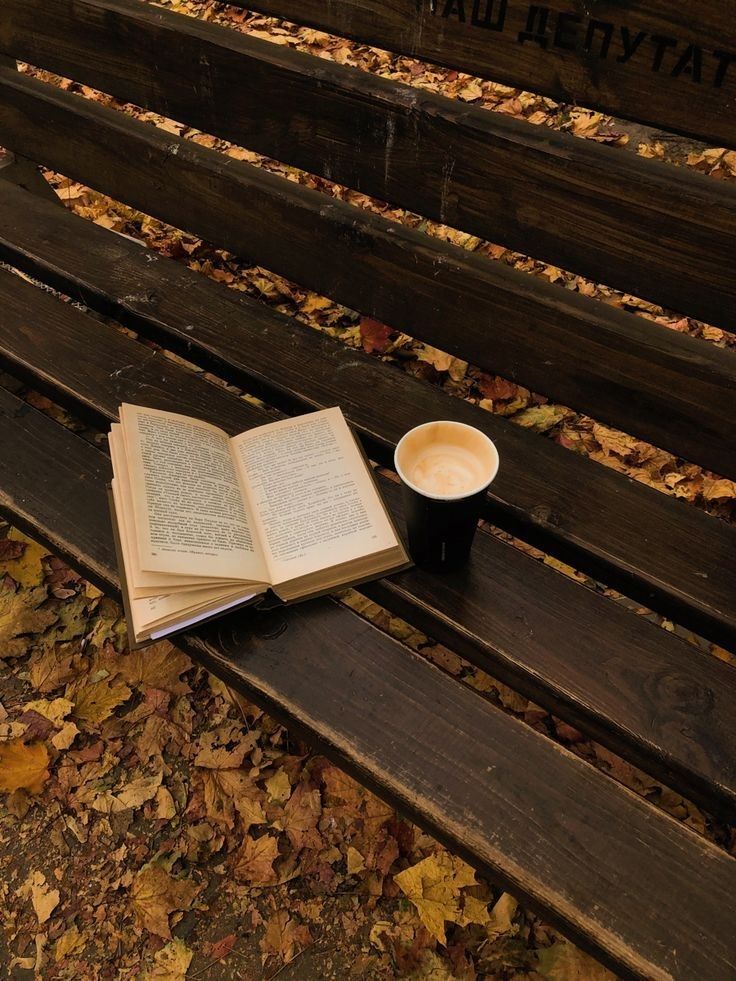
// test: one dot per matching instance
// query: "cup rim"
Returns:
(484, 485)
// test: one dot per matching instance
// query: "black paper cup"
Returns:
(441, 520)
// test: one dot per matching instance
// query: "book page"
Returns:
(189, 515)
(313, 498)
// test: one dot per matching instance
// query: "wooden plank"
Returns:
(631, 685)
(647, 895)
(651, 229)
(621, 369)
(631, 59)
(18, 169)
(645, 544)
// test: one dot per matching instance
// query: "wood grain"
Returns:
(643, 892)
(631, 685)
(621, 369)
(621, 531)
(648, 228)
(637, 88)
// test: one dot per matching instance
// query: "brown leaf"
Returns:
(155, 894)
(96, 701)
(219, 950)
(494, 387)
(225, 747)
(254, 863)
(301, 814)
(53, 668)
(158, 666)
(23, 766)
(283, 936)
(374, 335)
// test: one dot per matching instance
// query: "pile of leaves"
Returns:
(154, 824)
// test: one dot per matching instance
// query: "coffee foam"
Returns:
(442, 468)
(446, 459)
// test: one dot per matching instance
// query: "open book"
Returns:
(206, 522)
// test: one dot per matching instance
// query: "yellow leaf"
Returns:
(278, 786)
(433, 886)
(356, 862)
(255, 861)
(171, 962)
(224, 748)
(28, 569)
(18, 618)
(540, 417)
(23, 766)
(138, 791)
(158, 666)
(165, 807)
(502, 916)
(65, 736)
(565, 962)
(474, 911)
(96, 701)
(44, 900)
(55, 711)
(155, 894)
(70, 942)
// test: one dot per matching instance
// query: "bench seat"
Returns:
(577, 846)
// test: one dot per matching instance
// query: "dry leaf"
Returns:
(155, 894)
(158, 666)
(171, 963)
(44, 900)
(433, 886)
(564, 962)
(70, 942)
(225, 747)
(283, 937)
(356, 862)
(23, 766)
(254, 863)
(278, 786)
(96, 701)
(375, 336)
(301, 814)
(138, 791)
(55, 711)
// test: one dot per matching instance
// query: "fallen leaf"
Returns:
(282, 936)
(374, 335)
(254, 862)
(138, 791)
(52, 669)
(433, 886)
(356, 862)
(70, 942)
(23, 766)
(155, 894)
(301, 815)
(278, 786)
(165, 806)
(565, 962)
(540, 417)
(19, 618)
(171, 963)
(225, 747)
(64, 738)
(55, 711)
(44, 900)
(158, 666)
(96, 701)
(219, 950)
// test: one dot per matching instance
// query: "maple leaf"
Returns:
(70, 942)
(282, 936)
(171, 963)
(55, 710)
(278, 786)
(159, 666)
(19, 618)
(226, 791)
(565, 962)
(225, 747)
(374, 335)
(301, 814)
(494, 387)
(254, 863)
(155, 895)
(23, 766)
(139, 791)
(53, 668)
(438, 359)
(541, 417)
(96, 701)
(433, 886)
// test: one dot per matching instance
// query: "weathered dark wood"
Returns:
(576, 350)
(649, 228)
(634, 687)
(19, 169)
(621, 531)
(566, 68)
(567, 839)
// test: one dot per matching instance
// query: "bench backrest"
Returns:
(660, 232)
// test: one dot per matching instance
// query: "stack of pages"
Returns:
(205, 522)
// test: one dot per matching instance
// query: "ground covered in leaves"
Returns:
(152, 824)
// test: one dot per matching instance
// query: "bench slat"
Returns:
(635, 687)
(647, 895)
(646, 227)
(622, 369)
(584, 69)
(553, 497)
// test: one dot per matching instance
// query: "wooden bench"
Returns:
(645, 894)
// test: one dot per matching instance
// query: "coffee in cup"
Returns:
(445, 469)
